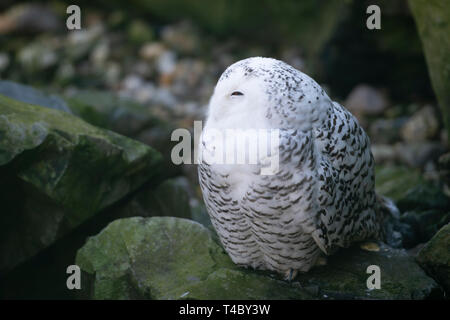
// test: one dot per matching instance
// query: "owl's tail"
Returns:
(389, 218)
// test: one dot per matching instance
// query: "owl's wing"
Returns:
(215, 191)
(345, 182)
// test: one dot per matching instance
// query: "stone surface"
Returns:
(424, 197)
(444, 172)
(169, 198)
(433, 23)
(41, 277)
(58, 172)
(173, 258)
(395, 181)
(127, 117)
(422, 126)
(384, 154)
(422, 225)
(39, 56)
(181, 37)
(80, 43)
(417, 154)
(366, 100)
(435, 257)
(423, 205)
(109, 111)
(30, 95)
(29, 19)
(384, 131)
(4, 61)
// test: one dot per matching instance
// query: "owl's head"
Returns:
(265, 93)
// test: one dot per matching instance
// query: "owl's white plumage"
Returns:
(322, 196)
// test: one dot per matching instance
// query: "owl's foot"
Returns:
(370, 246)
(290, 275)
(321, 261)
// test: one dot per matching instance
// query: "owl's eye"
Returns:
(236, 93)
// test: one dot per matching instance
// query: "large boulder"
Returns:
(423, 205)
(421, 226)
(433, 23)
(435, 257)
(174, 258)
(127, 117)
(109, 111)
(57, 172)
(168, 198)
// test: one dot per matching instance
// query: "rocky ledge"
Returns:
(175, 258)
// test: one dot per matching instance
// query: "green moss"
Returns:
(395, 181)
(228, 283)
(79, 168)
(173, 258)
(435, 257)
(155, 249)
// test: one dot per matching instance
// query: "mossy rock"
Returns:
(59, 171)
(435, 257)
(166, 199)
(346, 274)
(422, 225)
(395, 181)
(433, 23)
(127, 117)
(30, 95)
(167, 258)
(109, 111)
(424, 206)
(174, 258)
(424, 197)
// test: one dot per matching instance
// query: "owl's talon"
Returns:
(321, 261)
(290, 275)
(369, 246)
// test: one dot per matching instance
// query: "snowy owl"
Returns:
(322, 196)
